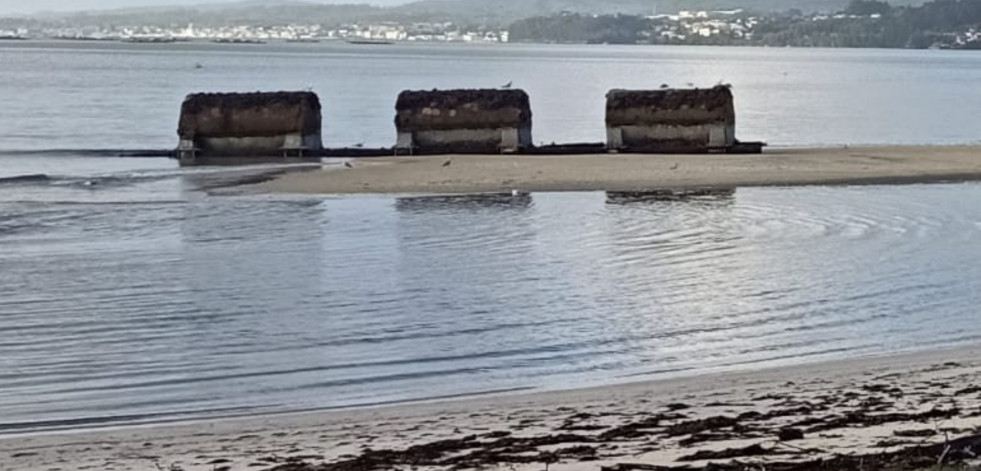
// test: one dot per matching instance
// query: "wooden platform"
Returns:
(550, 149)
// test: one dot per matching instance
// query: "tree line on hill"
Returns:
(863, 23)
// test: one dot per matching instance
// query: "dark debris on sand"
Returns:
(465, 453)
(950, 456)
(586, 437)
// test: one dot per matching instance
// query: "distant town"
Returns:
(380, 32)
(684, 26)
(863, 23)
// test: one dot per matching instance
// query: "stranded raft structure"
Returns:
(216, 127)
(698, 120)
(469, 121)
(231, 128)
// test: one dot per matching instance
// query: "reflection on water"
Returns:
(685, 195)
(181, 304)
(462, 202)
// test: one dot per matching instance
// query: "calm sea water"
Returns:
(83, 95)
(129, 292)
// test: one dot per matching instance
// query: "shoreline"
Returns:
(871, 165)
(932, 389)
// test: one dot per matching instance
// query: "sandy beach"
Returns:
(634, 172)
(867, 409)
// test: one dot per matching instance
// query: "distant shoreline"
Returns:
(635, 172)
(335, 41)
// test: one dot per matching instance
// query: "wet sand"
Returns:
(853, 410)
(634, 172)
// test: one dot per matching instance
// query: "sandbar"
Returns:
(637, 172)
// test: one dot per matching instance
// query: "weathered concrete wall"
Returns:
(257, 146)
(248, 124)
(463, 120)
(670, 120)
(671, 138)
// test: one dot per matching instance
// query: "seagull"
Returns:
(664, 85)
(359, 145)
(691, 85)
(448, 163)
(348, 165)
(507, 85)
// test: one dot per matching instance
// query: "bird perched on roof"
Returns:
(507, 85)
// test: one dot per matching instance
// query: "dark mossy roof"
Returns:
(199, 101)
(486, 98)
(670, 106)
(249, 114)
(462, 109)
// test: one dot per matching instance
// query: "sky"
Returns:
(34, 6)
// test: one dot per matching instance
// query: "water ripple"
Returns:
(149, 310)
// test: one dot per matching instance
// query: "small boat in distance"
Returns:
(150, 40)
(83, 38)
(371, 42)
(303, 40)
(237, 41)
(12, 37)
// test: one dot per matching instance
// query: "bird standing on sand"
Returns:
(447, 163)
(507, 86)
(348, 165)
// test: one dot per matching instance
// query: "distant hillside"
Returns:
(498, 13)
(506, 11)
(250, 13)
(949, 24)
